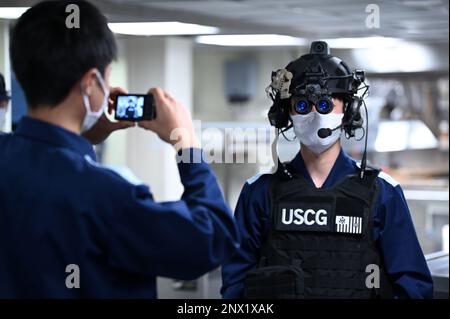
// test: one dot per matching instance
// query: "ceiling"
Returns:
(418, 20)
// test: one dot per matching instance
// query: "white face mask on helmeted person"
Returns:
(306, 128)
(2, 117)
(92, 117)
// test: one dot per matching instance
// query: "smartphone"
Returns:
(134, 107)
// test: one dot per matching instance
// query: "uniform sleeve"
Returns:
(182, 239)
(403, 256)
(251, 222)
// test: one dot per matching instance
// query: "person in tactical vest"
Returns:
(323, 225)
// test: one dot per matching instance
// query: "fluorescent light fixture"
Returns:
(12, 12)
(161, 28)
(363, 43)
(246, 40)
(404, 135)
(405, 57)
(422, 4)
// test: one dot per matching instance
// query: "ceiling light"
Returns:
(404, 135)
(12, 12)
(421, 3)
(363, 43)
(245, 40)
(161, 28)
(407, 57)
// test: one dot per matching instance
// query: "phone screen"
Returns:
(134, 107)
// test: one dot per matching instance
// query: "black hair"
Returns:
(49, 58)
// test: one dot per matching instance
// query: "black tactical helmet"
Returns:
(315, 77)
(322, 68)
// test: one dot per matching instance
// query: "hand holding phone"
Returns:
(173, 123)
(134, 107)
(104, 127)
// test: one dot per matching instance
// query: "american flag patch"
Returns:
(349, 224)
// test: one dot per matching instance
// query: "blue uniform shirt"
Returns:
(59, 207)
(393, 229)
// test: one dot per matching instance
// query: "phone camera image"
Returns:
(130, 108)
(135, 107)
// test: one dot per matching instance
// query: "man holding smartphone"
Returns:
(70, 228)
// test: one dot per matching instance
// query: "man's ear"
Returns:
(88, 81)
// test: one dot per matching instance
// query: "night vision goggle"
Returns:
(313, 95)
(315, 91)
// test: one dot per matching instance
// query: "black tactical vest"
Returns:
(320, 242)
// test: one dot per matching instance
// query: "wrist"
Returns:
(186, 142)
(190, 155)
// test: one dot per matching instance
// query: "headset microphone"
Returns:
(325, 132)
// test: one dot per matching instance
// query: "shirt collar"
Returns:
(47, 133)
(343, 166)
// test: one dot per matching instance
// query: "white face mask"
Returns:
(2, 117)
(306, 129)
(92, 117)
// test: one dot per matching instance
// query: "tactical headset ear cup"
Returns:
(285, 112)
(352, 116)
(348, 105)
(279, 113)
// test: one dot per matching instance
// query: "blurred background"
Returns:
(216, 57)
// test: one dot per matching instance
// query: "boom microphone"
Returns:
(325, 132)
